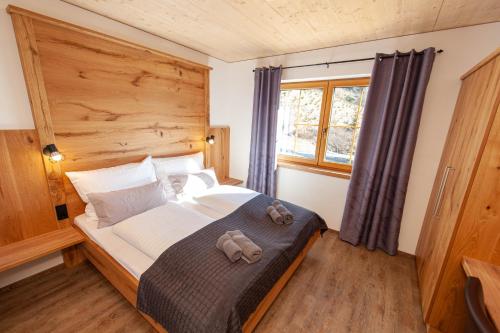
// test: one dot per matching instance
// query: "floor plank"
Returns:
(338, 288)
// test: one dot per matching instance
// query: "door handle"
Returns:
(442, 186)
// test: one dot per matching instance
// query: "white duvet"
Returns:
(225, 199)
(154, 231)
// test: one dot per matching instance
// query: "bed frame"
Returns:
(127, 284)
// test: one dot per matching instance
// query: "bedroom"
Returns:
(107, 83)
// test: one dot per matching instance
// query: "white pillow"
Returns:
(179, 164)
(112, 179)
(90, 211)
(165, 166)
(192, 184)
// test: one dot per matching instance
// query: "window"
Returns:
(318, 123)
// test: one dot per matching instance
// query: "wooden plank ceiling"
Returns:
(234, 30)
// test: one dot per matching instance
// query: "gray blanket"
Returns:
(193, 287)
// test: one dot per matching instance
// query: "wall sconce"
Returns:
(52, 152)
(210, 139)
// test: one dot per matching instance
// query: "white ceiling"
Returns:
(234, 30)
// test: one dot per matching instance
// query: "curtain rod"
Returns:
(327, 64)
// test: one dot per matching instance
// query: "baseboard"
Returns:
(405, 254)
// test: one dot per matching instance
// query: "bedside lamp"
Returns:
(52, 152)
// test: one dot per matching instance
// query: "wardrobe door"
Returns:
(478, 232)
(472, 114)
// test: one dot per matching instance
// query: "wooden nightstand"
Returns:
(29, 249)
(231, 181)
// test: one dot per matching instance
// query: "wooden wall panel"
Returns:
(25, 203)
(30, 60)
(218, 153)
(105, 101)
(108, 100)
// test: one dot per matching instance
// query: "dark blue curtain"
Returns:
(262, 167)
(387, 139)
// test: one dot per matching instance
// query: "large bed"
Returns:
(131, 257)
(125, 251)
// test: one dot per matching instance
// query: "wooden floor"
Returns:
(338, 288)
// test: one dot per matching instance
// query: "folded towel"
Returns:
(226, 244)
(287, 215)
(251, 251)
(275, 215)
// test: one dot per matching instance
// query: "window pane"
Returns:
(298, 122)
(310, 106)
(338, 145)
(300, 142)
(355, 144)
(363, 103)
(345, 119)
(289, 105)
(345, 105)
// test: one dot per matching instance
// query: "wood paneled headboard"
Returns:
(105, 101)
(24, 197)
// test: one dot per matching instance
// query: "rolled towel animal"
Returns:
(226, 244)
(287, 215)
(251, 251)
(275, 215)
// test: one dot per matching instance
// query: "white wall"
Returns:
(15, 112)
(23, 271)
(232, 95)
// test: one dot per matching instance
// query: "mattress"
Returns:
(133, 260)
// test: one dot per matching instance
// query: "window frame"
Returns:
(307, 85)
(328, 87)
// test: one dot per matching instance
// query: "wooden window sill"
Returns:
(314, 169)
